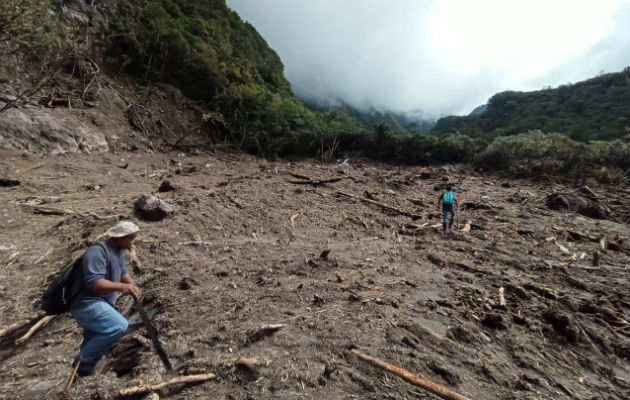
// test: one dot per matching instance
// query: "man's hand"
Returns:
(130, 289)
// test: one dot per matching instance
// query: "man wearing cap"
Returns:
(102, 274)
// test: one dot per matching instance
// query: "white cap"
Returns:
(123, 228)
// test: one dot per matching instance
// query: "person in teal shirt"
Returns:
(449, 202)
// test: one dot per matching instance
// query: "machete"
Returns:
(152, 333)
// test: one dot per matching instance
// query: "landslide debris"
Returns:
(269, 283)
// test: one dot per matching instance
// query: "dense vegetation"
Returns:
(525, 155)
(206, 50)
(595, 109)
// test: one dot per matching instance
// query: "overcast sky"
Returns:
(439, 56)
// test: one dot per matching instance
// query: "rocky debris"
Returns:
(563, 324)
(4, 182)
(581, 205)
(151, 208)
(340, 275)
(166, 186)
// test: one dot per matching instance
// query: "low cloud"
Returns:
(439, 57)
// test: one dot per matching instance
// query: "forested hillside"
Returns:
(238, 89)
(201, 47)
(595, 109)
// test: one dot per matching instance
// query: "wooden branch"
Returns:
(132, 391)
(29, 92)
(467, 227)
(72, 375)
(432, 387)
(44, 256)
(263, 331)
(308, 178)
(316, 182)
(19, 324)
(384, 206)
(39, 324)
(576, 235)
(501, 297)
(292, 219)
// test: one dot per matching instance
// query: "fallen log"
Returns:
(384, 206)
(39, 324)
(135, 390)
(432, 387)
(19, 324)
(316, 182)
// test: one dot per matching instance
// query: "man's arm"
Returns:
(104, 286)
(126, 278)
(440, 199)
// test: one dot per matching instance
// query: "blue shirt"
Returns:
(97, 263)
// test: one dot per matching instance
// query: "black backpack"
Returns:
(58, 296)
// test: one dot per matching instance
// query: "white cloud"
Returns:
(439, 56)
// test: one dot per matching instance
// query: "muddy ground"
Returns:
(244, 250)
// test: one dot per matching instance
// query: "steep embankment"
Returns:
(106, 58)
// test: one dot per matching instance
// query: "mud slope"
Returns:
(243, 250)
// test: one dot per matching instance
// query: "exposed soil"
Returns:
(244, 249)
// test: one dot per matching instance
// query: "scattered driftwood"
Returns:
(543, 291)
(249, 365)
(136, 390)
(501, 297)
(415, 230)
(49, 211)
(467, 226)
(305, 180)
(468, 268)
(384, 206)
(418, 202)
(264, 331)
(576, 235)
(19, 325)
(72, 375)
(292, 219)
(39, 324)
(432, 387)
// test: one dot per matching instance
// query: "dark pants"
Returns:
(446, 210)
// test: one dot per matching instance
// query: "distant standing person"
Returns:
(449, 202)
(103, 273)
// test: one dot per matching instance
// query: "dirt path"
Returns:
(243, 250)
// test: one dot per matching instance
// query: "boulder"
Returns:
(151, 208)
(581, 205)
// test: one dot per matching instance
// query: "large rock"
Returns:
(581, 205)
(150, 208)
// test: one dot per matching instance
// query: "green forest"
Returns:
(595, 109)
(222, 63)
